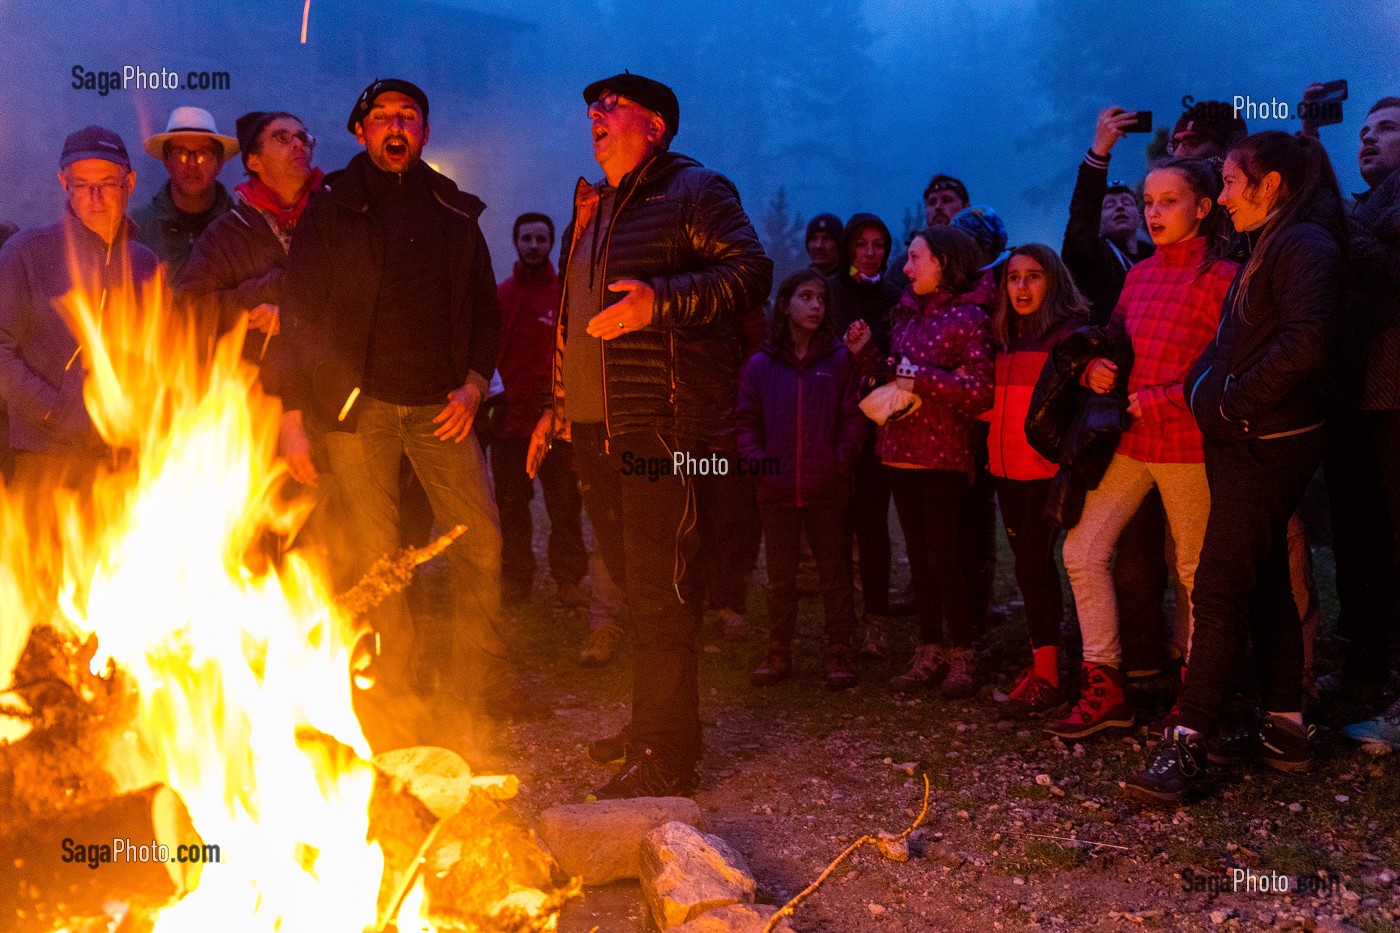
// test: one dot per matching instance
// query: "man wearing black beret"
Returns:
(659, 262)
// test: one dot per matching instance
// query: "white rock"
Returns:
(685, 873)
(601, 842)
(736, 918)
(1044, 780)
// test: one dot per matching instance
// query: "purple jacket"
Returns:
(805, 414)
(947, 337)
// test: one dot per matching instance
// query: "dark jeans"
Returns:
(729, 528)
(1033, 538)
(366, 467)
(1363, 488)
(1140, 581)
(568, 558)
(831, 547)
(1242, 586)
(870, 519)
(929, 503)
(979, 532)
(646, 531)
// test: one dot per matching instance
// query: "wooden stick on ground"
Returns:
(790, 907)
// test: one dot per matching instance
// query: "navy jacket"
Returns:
(806, 415)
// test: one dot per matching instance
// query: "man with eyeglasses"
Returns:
(193, 152)
(660, 262)
(390, 328)
(237, 264)
(41, 365)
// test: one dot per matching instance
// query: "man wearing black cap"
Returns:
(660, 262)
(237, 264)
(824, 243)
(1207, 131)
(41, 366)
(390, 327)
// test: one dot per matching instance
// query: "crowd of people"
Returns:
(1146, 404)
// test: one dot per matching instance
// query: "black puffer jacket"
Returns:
(1076, 427)
(237, 264)
(1265, 372)
(332, 281)
(681, 228)
(870, 302)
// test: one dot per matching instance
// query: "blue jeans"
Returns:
(366, 466)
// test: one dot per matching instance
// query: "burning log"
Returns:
(392, 574)
(81, 864)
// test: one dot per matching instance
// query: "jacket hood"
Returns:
(347, 186)
(853, 227)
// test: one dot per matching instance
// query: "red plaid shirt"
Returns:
(1170, 313)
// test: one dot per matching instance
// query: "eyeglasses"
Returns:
(607, 102)
(384, 118)
(101, 188)
(197, 156)
(285, 137)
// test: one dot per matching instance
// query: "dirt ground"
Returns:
(1023, 831)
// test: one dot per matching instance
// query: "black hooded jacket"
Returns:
(680, 227)
(864, 301)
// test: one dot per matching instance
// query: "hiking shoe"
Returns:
(1102, 705)
(876, 646)
(1029, 698)
(926, 671)
(840, 668)
(599, 645)
(1272, 740)
(732, 626)
(643, 774)
(961, 682)
(609, 752)
(571, 596)
(1339, 684)
(1178, 764)
(775, 667)
(1384, 729)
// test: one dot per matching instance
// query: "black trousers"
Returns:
(1242, 588)
(979, 532)
(568, 557)
(1140, 582)
(1033, 539)
(870, 520)
(645, 524)
(1363, 490)
(830, 541)
(730, 530)
(929, 503)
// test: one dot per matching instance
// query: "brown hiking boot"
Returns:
(1102, 704)
(961, 681)
(926, 671)
(877, 638)
(775, 667)
(840, 668)
(599, 645)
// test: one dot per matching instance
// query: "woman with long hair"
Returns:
(1167, 314)
(1037, 305)
(797, 406)
(1257, 394)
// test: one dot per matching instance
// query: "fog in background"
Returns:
(846, 105)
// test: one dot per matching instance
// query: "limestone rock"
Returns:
(737, 918)
(600, 842)
(686, 872)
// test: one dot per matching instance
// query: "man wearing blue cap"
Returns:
(41, 366)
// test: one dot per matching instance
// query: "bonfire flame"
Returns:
(241, 661)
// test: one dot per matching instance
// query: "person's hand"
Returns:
(455, 421)
(627, 316)
(857, 336)
(265, 317)
(1134, 408)
(296, 449)
(1109, 129)
(1101, 374)
(540, 441)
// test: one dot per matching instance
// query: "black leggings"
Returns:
(1033, 538)
(929, 503)
(870, 520)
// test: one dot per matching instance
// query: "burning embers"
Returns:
(181, 683)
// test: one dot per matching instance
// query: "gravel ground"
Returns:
(1023, 831)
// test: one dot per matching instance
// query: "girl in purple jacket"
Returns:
(799, 420)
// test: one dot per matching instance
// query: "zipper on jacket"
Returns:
(799, 435)
(607, 246)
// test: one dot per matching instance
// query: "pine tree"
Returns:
(782, 237)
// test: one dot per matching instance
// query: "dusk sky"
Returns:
(847, 105)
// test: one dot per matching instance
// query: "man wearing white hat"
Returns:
(193, 151)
